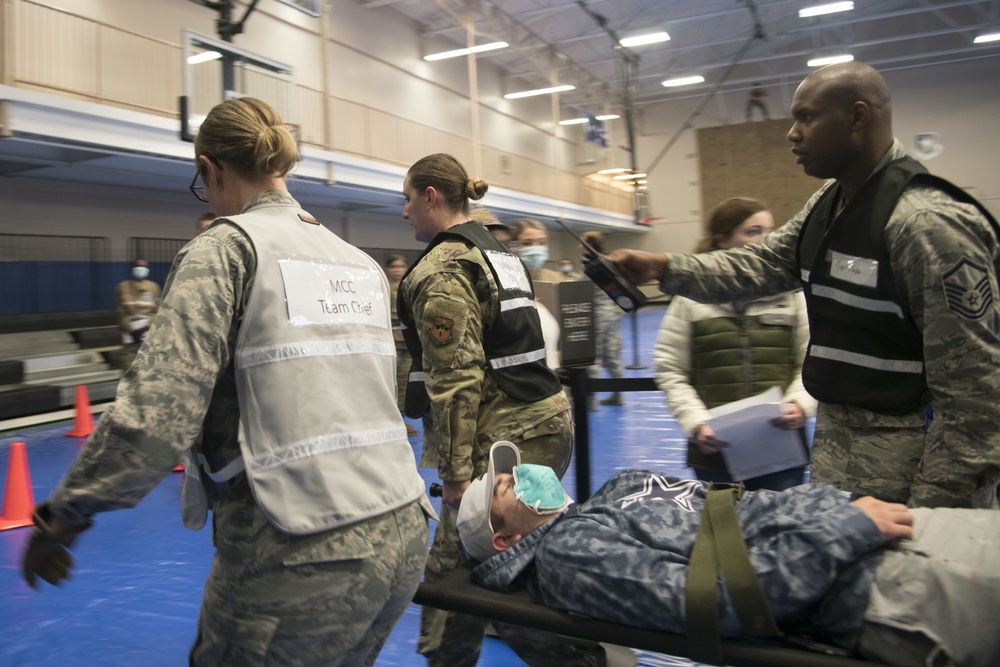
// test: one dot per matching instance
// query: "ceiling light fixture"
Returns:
(831, 8)
(629, 177)
(683, 81)
(830, 60)
(642, 40)
(204, 57)
(991, 37)
(615, 170)
(581, 121)
(540, 91)
(492, 46)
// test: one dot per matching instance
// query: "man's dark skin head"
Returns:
(842, 123)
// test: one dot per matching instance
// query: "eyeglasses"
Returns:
(199, 190)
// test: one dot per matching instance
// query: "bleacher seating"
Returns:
(40, 369)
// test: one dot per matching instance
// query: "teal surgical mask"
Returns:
(140, 272)
(534, 257)
(539, 488)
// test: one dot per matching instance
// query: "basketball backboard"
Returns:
(216, 71)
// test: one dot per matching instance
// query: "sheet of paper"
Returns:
(755, 446)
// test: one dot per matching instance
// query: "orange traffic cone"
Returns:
(18, 501)
(83, 423)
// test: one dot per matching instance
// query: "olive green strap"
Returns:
(720, 544)
(731, 552)
(701, 597)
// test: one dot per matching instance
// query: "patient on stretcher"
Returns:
(900, 586)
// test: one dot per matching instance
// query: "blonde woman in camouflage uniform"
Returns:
(320, 516)
(899, 270)
(479, 368)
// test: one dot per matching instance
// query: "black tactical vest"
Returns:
(515, 350)
(864, 349)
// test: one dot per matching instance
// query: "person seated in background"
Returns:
(531, 243)
(708, 355)
(906, 587)
(607, 328)
(136, 301)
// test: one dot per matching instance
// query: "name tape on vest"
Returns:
(856, 270)
(325, 293)
(510, 271)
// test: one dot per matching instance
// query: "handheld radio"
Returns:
(606, 276)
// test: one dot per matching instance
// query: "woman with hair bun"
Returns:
(270, 368)
(707, 355)
(479, 372)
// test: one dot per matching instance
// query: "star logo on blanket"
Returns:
(680, 491)
(967, 290)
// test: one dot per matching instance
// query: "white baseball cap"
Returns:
(474, 526)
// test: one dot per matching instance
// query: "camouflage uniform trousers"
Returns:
(607, 340)
(867, 453)
(453, 640)
(331, 598)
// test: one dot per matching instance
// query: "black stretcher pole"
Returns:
(579, 386)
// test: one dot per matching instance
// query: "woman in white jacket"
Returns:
(709, 355)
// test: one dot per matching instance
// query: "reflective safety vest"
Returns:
(323, 444)
(865, 349)
(515, 349)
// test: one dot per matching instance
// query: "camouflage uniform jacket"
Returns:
(181, 387)
(136, 302)
(623, 556)
(928, 235)
(468, 411)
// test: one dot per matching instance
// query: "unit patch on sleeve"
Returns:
(441, 329)
(967, 290)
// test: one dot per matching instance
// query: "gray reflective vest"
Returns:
(864, 348)
(322, 440)
(514, 346)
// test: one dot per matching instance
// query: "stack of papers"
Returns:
(755, 446)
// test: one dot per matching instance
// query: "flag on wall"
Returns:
(595, 132)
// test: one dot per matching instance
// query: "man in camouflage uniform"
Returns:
(933, 276)
(450, 300)
(136, 302)
(841, 572)
(607, 330)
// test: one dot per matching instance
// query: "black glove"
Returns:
(140, 335)
(47, 555)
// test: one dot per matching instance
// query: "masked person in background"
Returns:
(136, 302)
(319, 515)
(531, 241)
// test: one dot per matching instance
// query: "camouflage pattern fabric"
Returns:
(181, 392)
(326, 599)
(134, 298)
(932, 241)
(623, 556)
(452, 299)
(607, 337)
